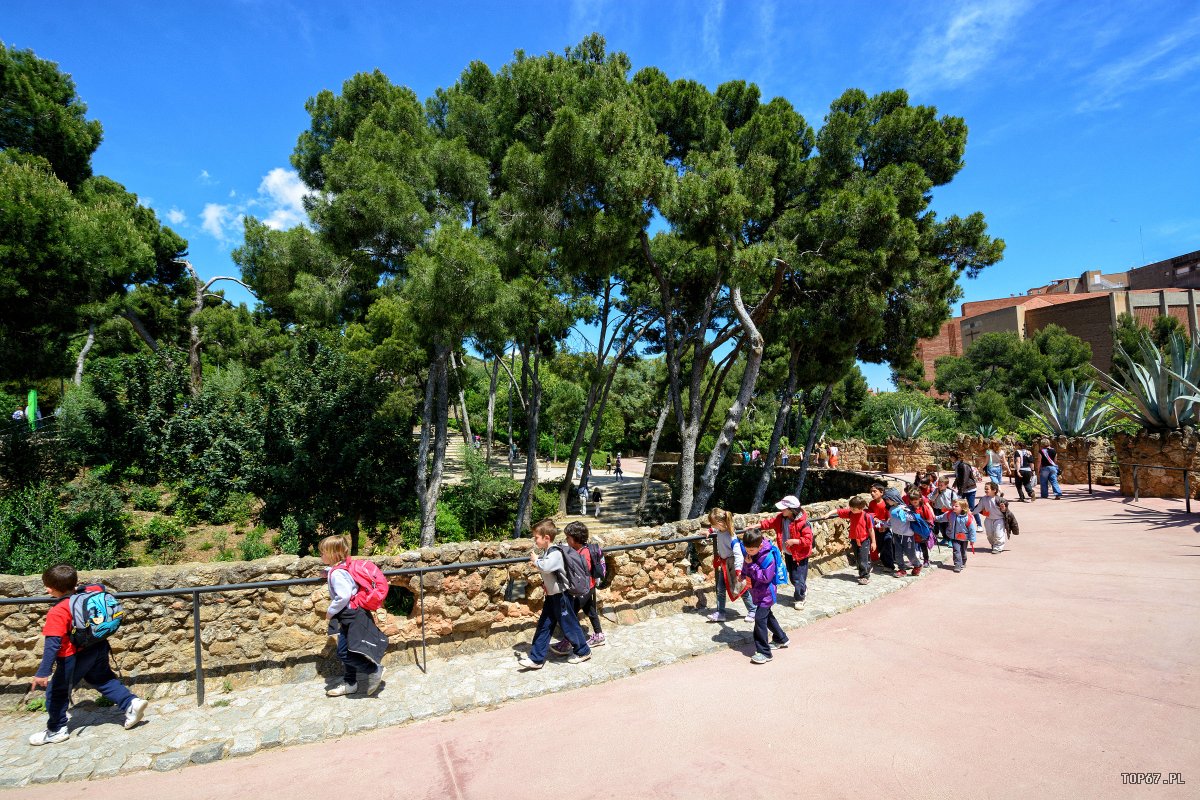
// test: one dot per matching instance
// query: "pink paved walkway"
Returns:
(1043, 672)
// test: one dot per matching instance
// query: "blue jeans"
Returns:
(971, 503)
(798, 575)
(996, 473)
(352, 663)
(557, 610)
(92, 666)
(1049, 477)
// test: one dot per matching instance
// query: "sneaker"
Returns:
(597, 640)
(560, 648)
(528, 663)
(779, 645)
(958, 569)
(900, 573)
(916, 570)
(578, 659)
(863, 581)
(342, 689)
(375, 679)
(50, 737)
(759, 658)
(716, 616)
(137, 710)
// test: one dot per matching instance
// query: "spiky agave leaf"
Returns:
(1064, 412)
(1162, 398)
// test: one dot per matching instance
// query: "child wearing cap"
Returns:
(794, 535)
(903, 545)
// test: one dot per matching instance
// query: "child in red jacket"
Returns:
(862, 536)
(794, 535)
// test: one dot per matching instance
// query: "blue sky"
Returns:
(1084, 150)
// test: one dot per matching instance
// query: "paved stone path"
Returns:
(178, 733)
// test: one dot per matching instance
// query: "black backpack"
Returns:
(575, 578)
(599, 568)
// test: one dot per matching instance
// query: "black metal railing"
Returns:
(196, 591)
(1187, 485)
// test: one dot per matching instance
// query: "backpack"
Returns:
(975, 476)
(576, 580)
(922, 532)
(95, 615)
(371, 582)
(599, 568)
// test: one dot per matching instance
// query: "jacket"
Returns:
(964, 481)
(898, 521)
(959, 526)
(944, 500)
(551, 566)
(761, 572)
(728, 549)
(362, 634)
(798, 530)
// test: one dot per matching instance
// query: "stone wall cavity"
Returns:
(271, 636)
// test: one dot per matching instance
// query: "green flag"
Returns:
(31, 410)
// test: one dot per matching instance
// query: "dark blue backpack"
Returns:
(921, 529)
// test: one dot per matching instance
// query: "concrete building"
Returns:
(1087, 307)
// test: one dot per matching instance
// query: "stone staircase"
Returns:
(618, 509)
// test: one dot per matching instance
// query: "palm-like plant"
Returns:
(1064, 410)
(1162, 391)
(908, 422)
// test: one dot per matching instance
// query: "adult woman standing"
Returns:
(997, 462)
(1047, 469)
(1023, 464)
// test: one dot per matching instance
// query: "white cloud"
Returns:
(176, 217)
(712, 32)
(219, 221)
(204, 179)
(954, 53)
(279, 204)
(1169, 58)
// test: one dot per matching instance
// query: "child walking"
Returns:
(993, 523)
(577, 538)
(556, 607)
(70, 666)
(728, 564)
(902, 534)
(360, 643)
(862, 536)
(760, 568)
(943, 500)
(960, 529)
(794, 537)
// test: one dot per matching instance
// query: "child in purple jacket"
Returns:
(760, 566)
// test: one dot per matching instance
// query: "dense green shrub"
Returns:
(288, 540)
(164, 539)
(34, 532)
(144, 498)
(253, 546)
(874, 421)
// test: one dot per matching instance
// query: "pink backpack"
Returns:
(371, 582)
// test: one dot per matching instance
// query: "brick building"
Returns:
(1087, 307)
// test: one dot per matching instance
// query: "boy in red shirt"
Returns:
(70, 667)
(883, 541)
(862, 536)
(794, 536)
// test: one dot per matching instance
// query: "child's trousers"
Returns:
(352, 663)
(764, 621)
(860, 556)
(960, 552)
(798, 574)
(904, 546)
(92, 666)
(997, 535)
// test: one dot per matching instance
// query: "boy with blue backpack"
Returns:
(76, 631)
(903, 522)
(761, 567)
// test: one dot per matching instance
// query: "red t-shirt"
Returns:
(860, 523)
(878, 509)
(58, 623)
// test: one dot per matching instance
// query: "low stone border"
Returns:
(243, 722)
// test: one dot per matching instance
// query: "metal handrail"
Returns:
(1187, 487)
(196, 591)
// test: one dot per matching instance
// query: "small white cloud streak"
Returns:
(204, 179)
(176, 217)
(969, 41)
(1110, 83)
(216, 220)
(711, 33)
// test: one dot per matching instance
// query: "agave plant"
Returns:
(986, 430)
(1162, 391)
(908, 422)
(1064, 411)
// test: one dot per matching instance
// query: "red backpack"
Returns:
(371, 582)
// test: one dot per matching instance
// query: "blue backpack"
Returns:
(921, 529)
(781, 576)
(95, 615)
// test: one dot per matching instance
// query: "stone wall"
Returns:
(852, 454)
(270, 636)
(907, 456)
(1169, 449)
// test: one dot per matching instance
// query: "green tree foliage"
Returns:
(874, 421)
(36, 532)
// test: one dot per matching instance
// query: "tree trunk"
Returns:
(813, 429)
(781, 417)
(645, 494)
(87, 345)
(433, 419)
(564, 486)
(462, 400)
(140, 329)
(733, 418)
(491, 414)
(533, 409)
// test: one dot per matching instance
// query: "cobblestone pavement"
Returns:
(177, 733)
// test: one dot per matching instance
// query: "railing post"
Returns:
(1089, 463)
(421, 592)
(1136, 491)
(1187, 492)
(199, 653)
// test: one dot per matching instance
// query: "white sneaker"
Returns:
(525, 662)
(578, 659)
(137, 710)
(374, 680)
(716, 616)
(342, 689)
(49, 737)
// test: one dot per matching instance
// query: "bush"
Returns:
(288, 540)
(164, 539)
(874, 422)
(448, 526)
(236, 509)
(144, 499)
(98, 518)
(253, 546)
(34, 532)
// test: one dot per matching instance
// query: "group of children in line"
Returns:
(894, 527)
